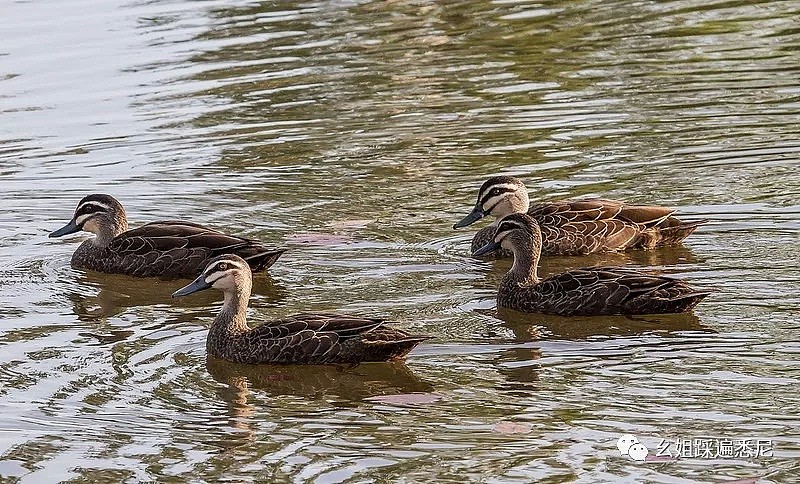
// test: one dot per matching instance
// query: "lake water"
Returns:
(356, 134)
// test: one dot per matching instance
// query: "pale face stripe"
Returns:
(507, 227)
(105, 207)
(86, 216)
(508, 189)
(83, 218)
(501, 186)
(213, 277)
(489, 204)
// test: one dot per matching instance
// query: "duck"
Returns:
(577, 227)
(169, 249)
(306, 338)
(590, 291)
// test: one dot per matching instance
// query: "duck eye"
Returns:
(222, 266)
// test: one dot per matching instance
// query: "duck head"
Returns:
(99, 214)
(499, 196)
(229, 273)
(515, 232)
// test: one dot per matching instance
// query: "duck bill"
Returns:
(476, 214)
(70, 228)
(196, 285)
(490, 247)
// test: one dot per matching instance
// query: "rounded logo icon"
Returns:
(625, 442)
(638, 452)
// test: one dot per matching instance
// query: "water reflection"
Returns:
(342, 385)
(533, 327)
(520, 369)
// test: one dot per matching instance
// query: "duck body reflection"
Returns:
(348, 383)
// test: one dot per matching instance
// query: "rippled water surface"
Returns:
(356, 134)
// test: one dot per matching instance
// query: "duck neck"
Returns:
(232, 318)
(526, 260)
(105, 232)
(104, 237)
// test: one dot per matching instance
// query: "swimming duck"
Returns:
(303, 338)
(170, 249)
(580, 292)
(577, 227)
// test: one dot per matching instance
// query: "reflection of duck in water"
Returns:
(166, 249)
(577, 227)
(302, 338)
(521, 367)
(534, 327)
(349, 384)
(580, 292)
(338, 385)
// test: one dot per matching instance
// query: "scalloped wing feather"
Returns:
(602, 290)
(179, 249)
(317, 338)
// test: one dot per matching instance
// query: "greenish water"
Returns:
(356, 134)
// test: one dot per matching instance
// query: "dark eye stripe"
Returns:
(495, 192)
(88, 208)
(509, 225)
(223, 266)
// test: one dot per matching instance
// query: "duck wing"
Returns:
(303, 338)
(587, 237)
(565, 211)
(180, 249)
(325, 338)
(168, 235)
(343, 326)
(577, 227)
(614, 290)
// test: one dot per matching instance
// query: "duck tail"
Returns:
(676, 232)
(672, 232)
(686, 302)
(396, 350)
(263, 260)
